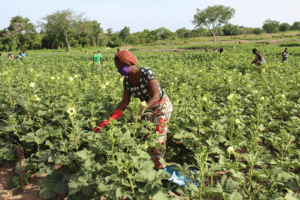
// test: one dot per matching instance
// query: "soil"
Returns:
(31, 190)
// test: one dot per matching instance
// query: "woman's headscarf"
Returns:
(126, 57)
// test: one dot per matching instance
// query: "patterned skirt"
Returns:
(160, 115)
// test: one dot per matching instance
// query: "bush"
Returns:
(290, 44)
(257, 31)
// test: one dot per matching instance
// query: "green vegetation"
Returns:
(234, 123)
(65, 30)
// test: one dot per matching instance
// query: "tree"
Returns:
(257, 31)
(94, 31)
(181, 32)
(213, 17)
(284, 27)
(19, 27)
(295, 26)
(271, 26)
(230, 29)
(62, 22)
(124, 34)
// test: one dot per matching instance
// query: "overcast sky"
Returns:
(140, 15)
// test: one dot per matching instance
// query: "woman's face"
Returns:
(119, 64)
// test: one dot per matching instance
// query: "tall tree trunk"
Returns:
(214, 33)
(68, 43)
(215, 38)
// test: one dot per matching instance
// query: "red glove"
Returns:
(116, 115)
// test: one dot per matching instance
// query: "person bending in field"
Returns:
(23, 54)
(142, 83)
(10, 55)
(19, 57)
(284, 55)
(259, 58)
(221, 50)
(98, 58)
(206, 50)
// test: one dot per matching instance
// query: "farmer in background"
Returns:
(259, 58)
(206, 50)
(98, 58)
(142, 83)
(284, 55)
(19, 57)
(119, 49)
(9, 55)
(23, 54)
(221, 50)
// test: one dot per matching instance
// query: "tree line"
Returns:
(66, 29)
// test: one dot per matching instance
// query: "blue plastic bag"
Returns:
(177, 177)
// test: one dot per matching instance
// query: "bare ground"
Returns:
(30, 191)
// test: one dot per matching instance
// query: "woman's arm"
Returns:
(126, 99)
(154, 92)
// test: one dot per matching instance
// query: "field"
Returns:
(235, 124)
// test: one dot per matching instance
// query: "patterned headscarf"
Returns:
(126, 57)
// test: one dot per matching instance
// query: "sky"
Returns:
(139, 15)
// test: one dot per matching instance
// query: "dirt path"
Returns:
(30, 191)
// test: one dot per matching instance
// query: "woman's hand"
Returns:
(101, 125)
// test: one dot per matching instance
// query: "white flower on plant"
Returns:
(71, 78)
(96, 76)
(58, 78)
(103, 86)
(75, 76)
(52, 77)
(31, 70)
(204, 99)
(144, 103)
(4, 73)
(283, 96)
(230, 97)
(230, 150)
(183, 84)
(175, 78)
(71, 111)
(237, 121)
(107, 83)
(262, 98)
(36, 97)
(32, 84)
(249, 86)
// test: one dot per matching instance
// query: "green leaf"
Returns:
(88, 190)
(290, 195)
(235, 196)
(160, 196)
(61, 188)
